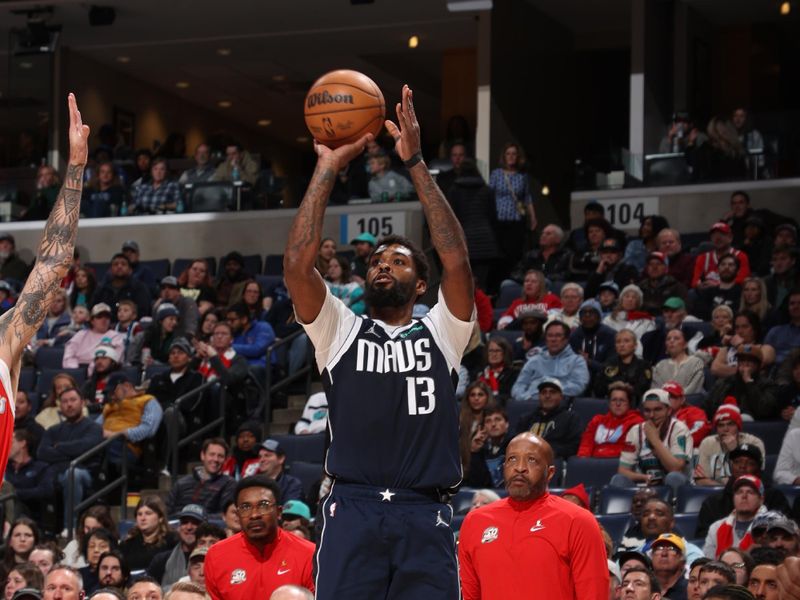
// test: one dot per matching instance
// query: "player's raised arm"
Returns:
(446, 233)
(54, 257)
(304, 282)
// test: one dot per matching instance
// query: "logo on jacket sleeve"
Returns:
(238, 576)
(489, 535)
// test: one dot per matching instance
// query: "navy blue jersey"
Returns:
(393, 415)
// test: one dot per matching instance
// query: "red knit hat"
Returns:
(580, 493)
(729, 411)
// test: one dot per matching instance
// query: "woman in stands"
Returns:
(24, 575)
(339, 280)
(741, 563)
(206, 327)
(327, 250)
(628, 315)
(534, 297)
(624, 367)
(156, 340)
(754, 297)
(150, 535)
(104, 194)
(721, 158)
(83, 287)
(747, 330)
(721, 326)
(253, 298)
(477, 396)
(605, 434)
(685, 370)
(50, 414)
(94, 517)
(637, 250)
(196, 283)
(95, 544)
(499, 373)
(22, 537)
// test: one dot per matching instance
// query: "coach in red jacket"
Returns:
(500, 541)
(605, 435)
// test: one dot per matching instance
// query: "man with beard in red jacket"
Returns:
(694, 417)
(605, 435)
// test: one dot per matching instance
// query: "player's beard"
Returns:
(399, 294)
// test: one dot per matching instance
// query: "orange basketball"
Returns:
(342, 106)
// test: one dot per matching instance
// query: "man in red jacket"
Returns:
(694, 417)
(500, 541)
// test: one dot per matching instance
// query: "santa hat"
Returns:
(580, 493)
(729, 411)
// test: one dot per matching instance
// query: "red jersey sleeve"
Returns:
(588, 558)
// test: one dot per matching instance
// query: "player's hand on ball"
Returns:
(343, 154)
(78, 134)
(406, 136)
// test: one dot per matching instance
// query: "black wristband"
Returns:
(413, 160)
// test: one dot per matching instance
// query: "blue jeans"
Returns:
(114, 452)
(83, 481)
(298, 351)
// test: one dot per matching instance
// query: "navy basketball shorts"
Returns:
(392, 544)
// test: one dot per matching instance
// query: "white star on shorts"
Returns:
(387, 495)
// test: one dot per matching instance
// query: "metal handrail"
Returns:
(172, 419)
(121, 481)
(270, 387)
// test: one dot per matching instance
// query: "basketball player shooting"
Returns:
(18, 326)
(390, 383)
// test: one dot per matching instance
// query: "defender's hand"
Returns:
(406, 136)
(78, 134)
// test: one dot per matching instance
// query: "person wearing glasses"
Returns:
(669, 560)
(261, 557)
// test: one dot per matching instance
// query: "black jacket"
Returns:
(637, 373)
(473, 204)
(601, 342)
(211, 493)
(133, 290)
(66, 441)
(480, 475)
(555, 267)
(654, 294)
(32, 482)
(561, 428)
(759, 398)
(720, 505)
(167, 391)
(622, 274)
(37, 431)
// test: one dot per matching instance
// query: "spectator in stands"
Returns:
(281, 318)
(605, 435)
(658, 451)
(272, 460)
(92, 518)
(113, 570)
(534, 296)
(104, 194)
(633, 537)
(66, 441)
(363, 245)
(787, 469)
(143, 160)
(727, 292)
(681, 134)
(657, 285)
(788, 393)
(624, 367)
(784, 277)
(552, 420)
(693, 416)
(531, 342)
(669, 563)
(641, 584)
(206, 485)
(79, 350)
(24, 419)
(571, 299)
(749, 137)
(754, 298)
(169, 566)
(55, 329)
(45, 555)
(97, 542)
(386, 185)
(238, 165)
(188, 313)
(253, 297)
(206, 327)
(714, 574)
(593, 340)
(231, 279)
(23, 575)
(611, 268)
(230, 517)
(658, 521)
(243, 460)
(738, 215)
(487, 451)
(747, 331)
(139, 272)
(178, 381)
(159, 195)
(757, 245)
(558, 362)
(152, 346)
(717, 452)
(740, 562)
(628, 314)
(681, 263)
(734, 530)
(121, 285)
(341, 284)
(106, 361)
(196, 284)
(218, 360)
(607, 296)
(477, 397)
(22, 536)
(685, 370)
(721, 158)
(128, 326)
(83, 288)
(12, 267)
(327, 250)
(637, 250)
(584, 260)
(446, 177)
(499, 373)
(48, 185)
(763, 582)
(252, 338)
(755, 394)
(196, 569)
(50, 413)
(203, 170)
(150, 534)
(785, 338)
(692, 588)
(33, 484)
(706, 265)
(131, 412)
(721, 327)
(295, 518)
(550, 257)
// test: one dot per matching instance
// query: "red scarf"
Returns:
(636, 315)
(207, 371)
(489, 377)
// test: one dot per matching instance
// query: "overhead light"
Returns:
(224, 51)
(264, 122)
(545, 190)
(224, 103)
(302, 139)
(469, 5)
(279, 78)
(786, 8)
(182, 85)
(124, 59)
(413, 41)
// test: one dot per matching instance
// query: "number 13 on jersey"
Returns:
(421, 395)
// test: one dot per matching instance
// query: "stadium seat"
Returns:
(558, 463)
(100, 269)
(49, 357)
(268, 283)
(615, 525)
(586, 408)
(508, 293)
(159, 268)
(462, 501)
(617, 500)
(690, 497)
(516, 410)
(698, 400)
(308, 473)
(596, 472)
(769, 432)
(510, 335)
(791, 492)
(154, 370)
(770, 460)
(686, 524)
(44, 380)
(307, 448)
(274, 264)
(27, 379)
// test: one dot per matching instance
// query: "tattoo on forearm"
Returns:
(446, 231)
(307, 223)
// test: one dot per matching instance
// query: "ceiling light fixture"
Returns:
(786, 8)
(545, 190)
(124, 59)
(182, 85)
(264, 122)
(224, 51)
(469, 5)
(224, 103)
(413, 41)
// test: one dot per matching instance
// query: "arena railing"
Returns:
(172, 420)
(271, 387)
(120, 482)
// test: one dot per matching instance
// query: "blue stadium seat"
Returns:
(769, 432)
(49, 357)
(792, 492)
(615, 525)
(462, 501)
(160, 267)
(308, 473)
(154, 370)
(510, 335)
(100, 269)
(690, 497)
(617, 500)
(274, 264)
(770, 460)
(596, 472)
(698, 400)
(558, 463)
(516, 410)
(44, 380)
(307, 448)
(268, 283)
(27, 379)
(686, 524)
(586, 408)
(133, 373)
(508, 293)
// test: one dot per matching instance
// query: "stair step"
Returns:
(164, 483)
(316, 386)
(286, 415)
(297, 402)
(276, 428)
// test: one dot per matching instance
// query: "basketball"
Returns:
(342, 106)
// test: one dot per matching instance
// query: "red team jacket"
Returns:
(604, 437)
(546, 548)
(236, 570)
(697, 422)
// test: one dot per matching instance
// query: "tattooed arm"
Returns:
(54, 257)
(303, 280)
(446, 233)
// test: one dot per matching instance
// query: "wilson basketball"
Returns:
(342, 106)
